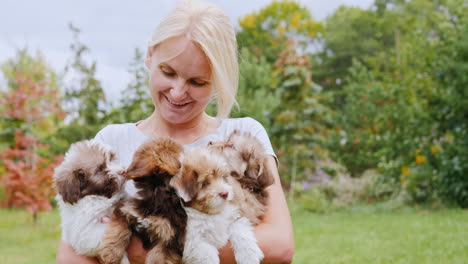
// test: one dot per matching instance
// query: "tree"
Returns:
(266, 32)
(31, 109)
(84, 101)
(136, 103)
(299, 122)
(256, 97)
(351, 33)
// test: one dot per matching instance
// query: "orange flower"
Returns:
(420, 159)
(405, 171)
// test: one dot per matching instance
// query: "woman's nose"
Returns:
(179, 90)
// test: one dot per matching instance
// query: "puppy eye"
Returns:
(204, 184)
(112, 156)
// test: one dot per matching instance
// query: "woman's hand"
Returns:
(135, 251)
(67, 255)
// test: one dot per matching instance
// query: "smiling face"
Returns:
(180, 80)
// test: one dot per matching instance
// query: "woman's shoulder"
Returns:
(243, 124)
(115, 134)
(116, 129)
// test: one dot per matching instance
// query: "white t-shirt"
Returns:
(125, 139)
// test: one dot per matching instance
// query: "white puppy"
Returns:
(205, 185)
(89, 183)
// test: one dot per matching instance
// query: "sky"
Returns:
(111, 29)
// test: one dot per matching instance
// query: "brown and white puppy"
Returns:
(155, 215)
(247, 162)
(89, 183)
(205, 185)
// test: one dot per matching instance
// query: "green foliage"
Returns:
(396, 106)
(255, 95)
(267, 31)
(136, 103)
(380, 121)
(299, 122)
(351, 33)
(84, 101)
(452, 113)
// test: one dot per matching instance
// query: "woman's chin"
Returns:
(177, 118)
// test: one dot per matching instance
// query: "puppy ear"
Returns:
(231, 136)
(265, 176)
(154, 157)
(254, 164)
(141, 166)
(185, 184)
(70, 187)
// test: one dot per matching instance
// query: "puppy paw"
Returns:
(251, 256)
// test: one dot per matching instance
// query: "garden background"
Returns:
(367, 111)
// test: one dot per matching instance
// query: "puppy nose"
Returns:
(223, 195)
(122, 172)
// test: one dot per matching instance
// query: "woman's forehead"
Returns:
(181, 53)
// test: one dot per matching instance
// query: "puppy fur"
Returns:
(155, 215)
(205, 185)
(247, 162)
(89, 182)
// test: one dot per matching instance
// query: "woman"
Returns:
(192, 59)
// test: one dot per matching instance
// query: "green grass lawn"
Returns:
(368, 234)
(365, 234)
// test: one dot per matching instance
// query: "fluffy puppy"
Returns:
(155, 215)
(205, 185)
(247, 162)
(89, 183)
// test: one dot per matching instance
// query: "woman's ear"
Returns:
(149, 55)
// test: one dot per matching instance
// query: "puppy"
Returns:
(247, 162)
(89, 182)
(155, 215)
(205, 185)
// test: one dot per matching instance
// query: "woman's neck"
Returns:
(186, 133)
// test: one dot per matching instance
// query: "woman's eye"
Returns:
(197, 83)
(167, 72)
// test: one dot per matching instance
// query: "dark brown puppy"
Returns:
(155, 215)
(247, 160)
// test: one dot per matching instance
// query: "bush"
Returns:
(323, 192)
(453, 181)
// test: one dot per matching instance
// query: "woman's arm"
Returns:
(274, 233)
(67, 255)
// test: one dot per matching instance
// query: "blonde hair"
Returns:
(210, 28)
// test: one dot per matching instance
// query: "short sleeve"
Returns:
(100, 135)
(256, 129)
